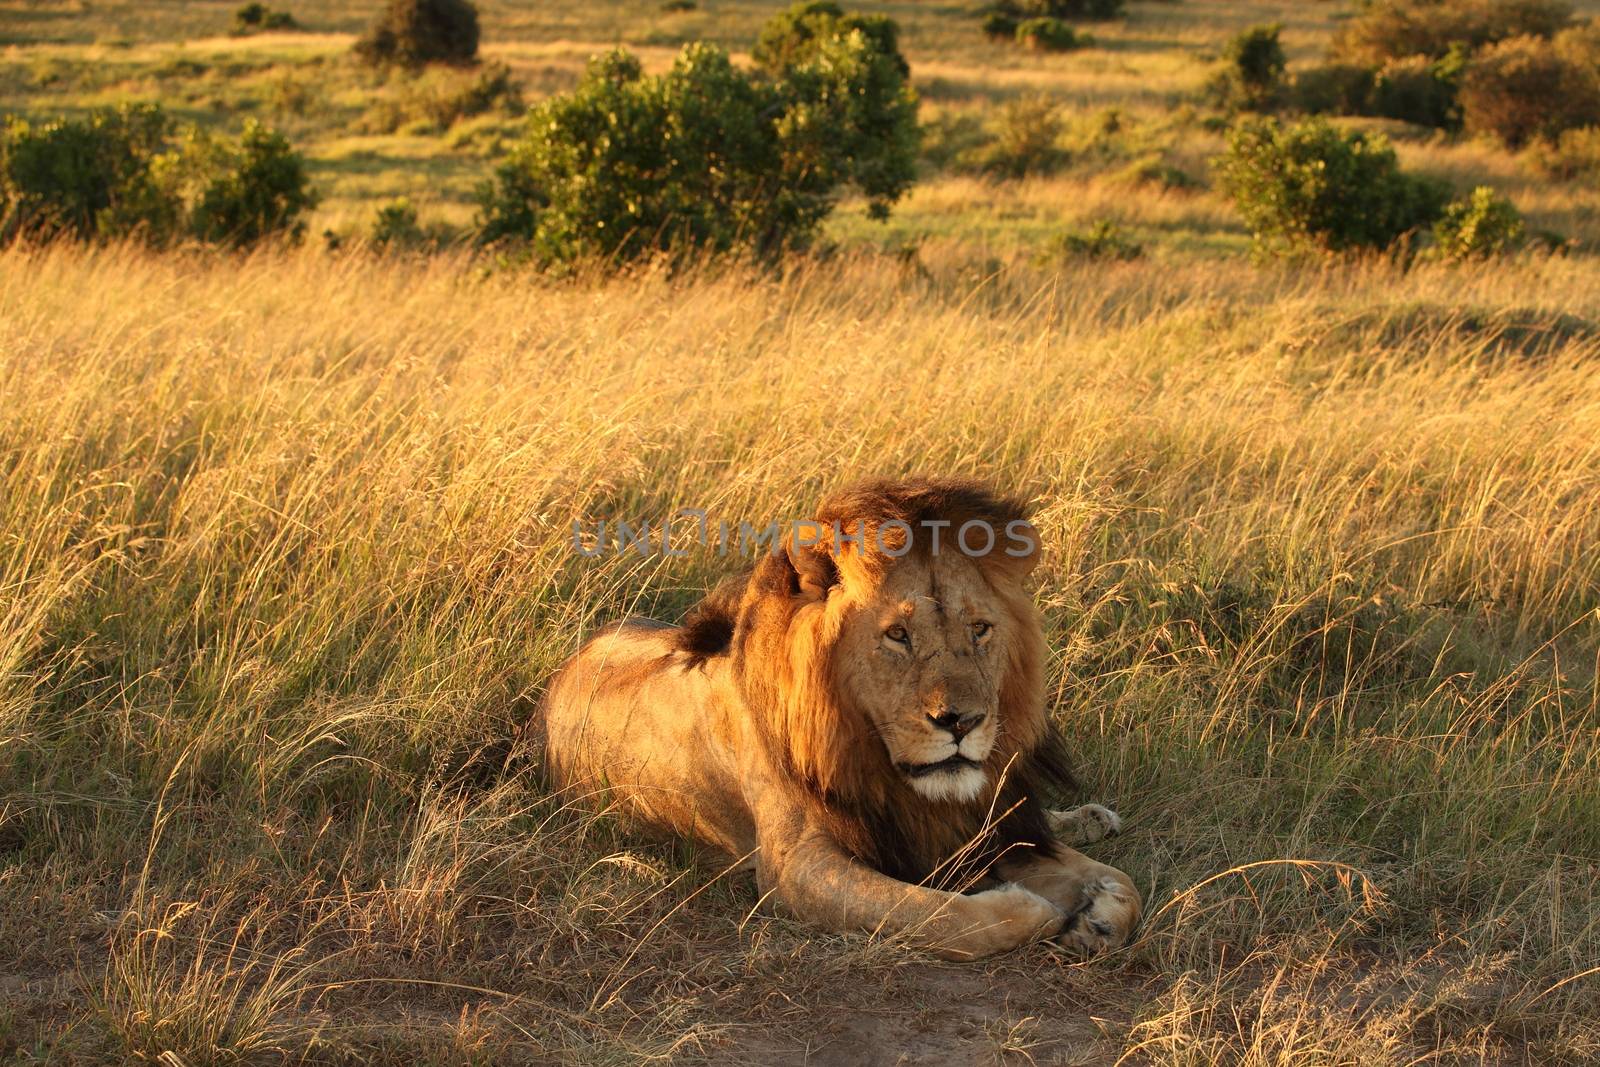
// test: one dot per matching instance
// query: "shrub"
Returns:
(1026, 132)
(794, 37)
(259, 189)
(1395, 29)
(494, 87)
(118, 173)
(1089, 10)
(1153, 170)
(1103, 240)
(258, 18)
(84, 178)
(1020, 11)
(1334, 88)
(1308, 185)
(705, 156)
(1252, 76)
(1524, 89)
(1575, 154)
(1481, 224)
(1000, 26)
(1049, 35)
(412, 33)
(678, 7)
(1420, 90)
(437, 99)
(396, 224)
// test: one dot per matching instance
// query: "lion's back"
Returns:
(632, 715)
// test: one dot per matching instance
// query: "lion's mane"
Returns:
(827, 752)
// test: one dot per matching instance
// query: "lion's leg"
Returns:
(1101, 902)
(1085, 825)
(820, 882)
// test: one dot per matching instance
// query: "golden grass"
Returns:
(284, 565)
(284, 558)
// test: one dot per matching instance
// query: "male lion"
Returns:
(861, 721)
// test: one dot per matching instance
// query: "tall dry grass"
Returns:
(284, 562)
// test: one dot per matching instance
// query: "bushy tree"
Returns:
(708, 157)
(1252, 74)
(1310, 186)
(1523, 89)
(412, 33)
(1395, 29)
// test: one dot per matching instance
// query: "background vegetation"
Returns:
(284, 563)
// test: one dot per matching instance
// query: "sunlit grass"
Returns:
(284, 547)
(284, 568)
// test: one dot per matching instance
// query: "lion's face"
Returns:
(922, 653)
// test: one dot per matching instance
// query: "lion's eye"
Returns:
(897, 634)
(980, 630)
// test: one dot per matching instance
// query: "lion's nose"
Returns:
(958, 724)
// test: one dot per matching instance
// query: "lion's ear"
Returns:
(814, 568)
(1018, 551)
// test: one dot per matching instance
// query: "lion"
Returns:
(861, 722)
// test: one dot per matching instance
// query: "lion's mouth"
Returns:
(956, 762)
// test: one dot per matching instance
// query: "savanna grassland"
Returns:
(285, 563)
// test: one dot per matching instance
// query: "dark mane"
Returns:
(707, 631)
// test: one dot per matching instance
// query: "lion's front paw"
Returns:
(1105, 919)
(998, 920)
(1085, 825)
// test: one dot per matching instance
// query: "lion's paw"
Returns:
(1019, 913)
(998, 920)
(1085, 825)
(1105, 920)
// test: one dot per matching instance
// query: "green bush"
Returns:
(1252, 76)
(120, 173)
(396, 225)
(678, 7)
(707, 157)
(84, 178)
(1000, 26)
(259, 18)
(411, 33)
(1019, 11)
(1523, 88)
(258, 189)
(1088, 10)
(435, 100)
(1309, 186)
(1482, 224)
(1395, 29)
(795, 37)
(1103, 240)
(1153, 170)
(1026, 133)
(494, 88)
(1334, 88)
(1049, 35)
(1420, 90)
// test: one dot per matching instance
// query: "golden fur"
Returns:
(864, 722)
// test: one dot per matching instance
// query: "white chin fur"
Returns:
(957, 786)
